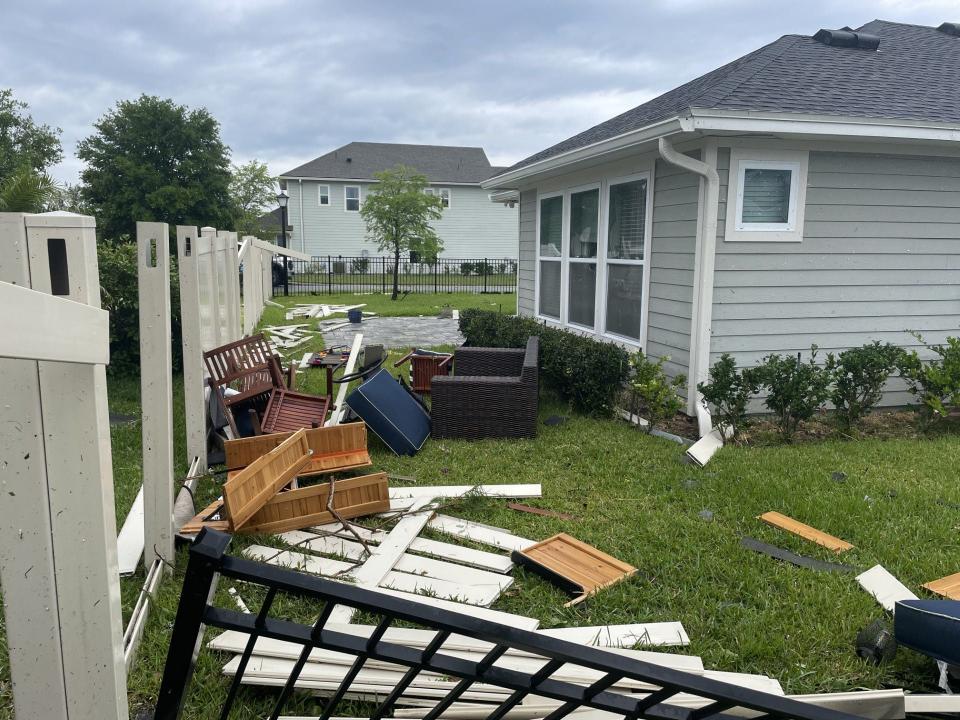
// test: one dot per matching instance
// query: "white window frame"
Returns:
(644, 263)
(567, 259)
(359, 198)
(551, 258)
(323, 191)
(743, 159)
(445, 198)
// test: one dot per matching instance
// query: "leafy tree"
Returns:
(70, 198)
(398, 213)
(27, 190)
(23, 143)
(151, 159)
(253, 193)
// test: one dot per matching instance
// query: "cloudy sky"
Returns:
(290, 80)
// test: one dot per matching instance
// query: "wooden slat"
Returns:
(805, 531)
(579, 563)
(884, 587)
(948, 586)
(202, 520)
(342, 447)
(479, 533)
(307, 506)
(256, 484)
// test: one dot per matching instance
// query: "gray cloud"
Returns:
(292, 79)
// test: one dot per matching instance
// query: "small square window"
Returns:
(766, 196)
(351, 198)
(323, 194)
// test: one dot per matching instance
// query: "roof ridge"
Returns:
(768, 57)
(895, 22)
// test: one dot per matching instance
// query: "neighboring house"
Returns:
(326, 195)
(808, 192)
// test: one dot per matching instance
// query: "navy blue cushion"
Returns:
(931, 627)
(391, 413)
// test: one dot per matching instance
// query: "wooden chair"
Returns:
(246, 375)
(424, 366)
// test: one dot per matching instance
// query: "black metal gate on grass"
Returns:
(208, 561)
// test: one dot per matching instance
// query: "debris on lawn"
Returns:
(287, 337)
(519, 507)
(838, 476)
(783, 522)
(703, 450)
(573, 565)
(705, 515)
(875, 643)
(787, 556)
(306, 310)
(948, 587)
(554, 420)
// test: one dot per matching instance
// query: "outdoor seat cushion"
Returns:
(931, 627)
(392, 413)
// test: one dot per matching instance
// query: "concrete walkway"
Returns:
(399, 332)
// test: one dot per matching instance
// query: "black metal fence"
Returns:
(591, 678)
(331, 274)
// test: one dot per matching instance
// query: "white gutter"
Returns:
(702, 278)
(303, 239)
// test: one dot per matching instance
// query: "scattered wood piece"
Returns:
(307, 506)
(238, 600)
(948, 587)
(541, 511)
(130, 539)
(253, 487)
(884, 587)
(340, 407)
(479, 533)
(333, 449)
(212, 516)
(446, 491)
(796, 527)
(787, 556)
(402, 478)
(574, 565)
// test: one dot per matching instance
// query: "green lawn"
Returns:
(636, 499)
(411, 305)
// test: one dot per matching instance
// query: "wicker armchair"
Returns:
(494, 393)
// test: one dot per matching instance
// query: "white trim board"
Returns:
(130, 538)
(497, 537)
(887, 590)
(444, 491)
(932, 703)
(337, 415)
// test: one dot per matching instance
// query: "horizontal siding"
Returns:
(880, 256)
(676, 197)
(472, 227)
(527, 269)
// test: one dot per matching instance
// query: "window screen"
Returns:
(627, 220)
(766, 196)
(551, 227)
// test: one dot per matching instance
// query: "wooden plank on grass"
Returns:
(884, 587)
(520, 507)
(306, 506)
(343, 447)
(477, 532)
(805, 531)
(948, 586)
(444, 491)
(252, 487)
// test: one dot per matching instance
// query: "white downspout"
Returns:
(303, 239)
(702, 280)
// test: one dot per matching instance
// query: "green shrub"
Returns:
(795, 389)
(656, 396)
(483, 268)
(582, 371)
(936, 384)
(360, 266)
(339, 267)
(119, 295)
(859, 375)
(466, 268)
(728, 391)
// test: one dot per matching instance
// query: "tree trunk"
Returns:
(396, 269)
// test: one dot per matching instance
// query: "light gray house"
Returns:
(808, 192)
(326, 195)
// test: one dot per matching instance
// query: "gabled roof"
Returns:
(913, 75)
(360, 160)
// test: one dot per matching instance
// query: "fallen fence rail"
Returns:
(209, 561)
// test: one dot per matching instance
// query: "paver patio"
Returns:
(399, 332)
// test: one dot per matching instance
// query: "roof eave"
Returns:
(454, 183)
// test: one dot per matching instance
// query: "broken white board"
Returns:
(477, 532)
(130, 540)
(884, 587)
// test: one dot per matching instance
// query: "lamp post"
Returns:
(282, 200)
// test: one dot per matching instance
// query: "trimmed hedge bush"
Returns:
(584, 372)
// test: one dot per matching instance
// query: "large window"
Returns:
(584, 236)
(592, 250)
(351, 198)
(626, 246)
(766, 196)
(550, 252)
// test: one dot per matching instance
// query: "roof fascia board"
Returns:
(781, 123)
(670, 126)
(370, 180)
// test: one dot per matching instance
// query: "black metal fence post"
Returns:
(329, 275)
(199, 586)
(486, 270)
(383, 275)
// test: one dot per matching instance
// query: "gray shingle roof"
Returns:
(914, 75)
(360, 160)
